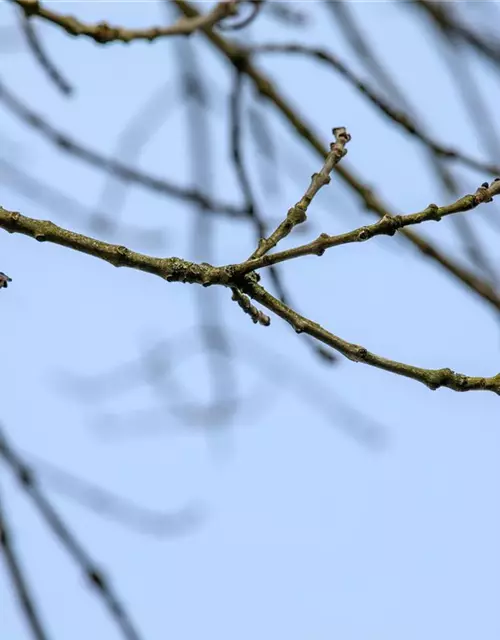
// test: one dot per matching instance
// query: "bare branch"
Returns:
(104, 33)
(19, 580)
(402, 119)
(298, 213)
(43, 59)
(171, 269)
(110, 165)
(242, 277)
(432, 378)
(266, 88)
(28, 482)
(388, 225)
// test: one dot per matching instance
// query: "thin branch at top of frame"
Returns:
(104, 33)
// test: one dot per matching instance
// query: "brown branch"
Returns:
(244, 303)
(238, 58)
(432, 378)
(234, 26)
(241, 278)
(388, 225)
(170, 269)
(298, 213)
(104, 33)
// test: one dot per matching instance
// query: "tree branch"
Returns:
(170, 269)
(19, 581)
(28, 482)
(432, 378)
(104, 33)
(238, 58)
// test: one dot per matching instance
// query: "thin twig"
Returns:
(402, 119)
(298, 213)
(388, 225)
(19, 580)
(371, 201)
(29, 483)
(432, 378)
(104, 33)
(110, 165)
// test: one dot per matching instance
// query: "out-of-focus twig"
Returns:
(234, 26)
(401, 118)
(29, 484)
(115, 167)
(113, 507)
(443, 14)
(131, 142)
(19, 579)
(43, 59)
(72, 210)
(237, 57)
(223, 382)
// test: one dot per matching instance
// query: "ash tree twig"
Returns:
(243, 278)
(240, 60)
(103, 33)
(432, 378)
(298, 213)
(388, 225)
(244, 303)
(254, 213)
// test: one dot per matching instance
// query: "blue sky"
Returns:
(303, 531)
